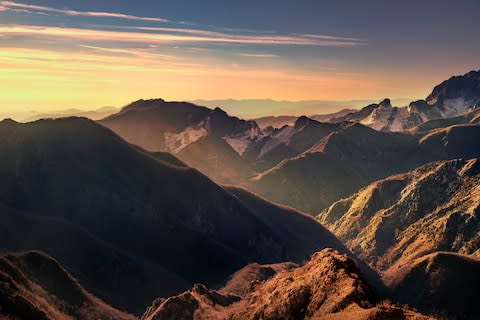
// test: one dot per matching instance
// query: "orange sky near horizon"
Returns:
(47, 80)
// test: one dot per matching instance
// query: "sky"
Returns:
(86, 54)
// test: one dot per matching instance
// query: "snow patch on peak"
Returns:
(175, 142)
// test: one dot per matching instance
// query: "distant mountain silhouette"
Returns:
(91, 114)
(279, 121)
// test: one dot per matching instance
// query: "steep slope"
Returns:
(445, 284)
(472, 117)
(103, 270)
(452, 142)
(456, 95)
(287, 142)
(218, 159)
(241, 282)
(338, 165)
(329, 286)
(174, 217)
(35, 286)
(397, 219)
(185, 129)
(350, 158)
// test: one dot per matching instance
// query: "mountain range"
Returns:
(451, 98)
(308, 164)
(169, 210)
(146, 215)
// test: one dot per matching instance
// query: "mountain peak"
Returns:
(219, 111)
(385, 103)
(8, 121)
(302, 121)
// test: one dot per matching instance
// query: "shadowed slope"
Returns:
(442, 283)
(170, 216)
(216, 157)
(34, 286)
(107, 272)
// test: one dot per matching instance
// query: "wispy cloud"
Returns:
(259, 55)
(16, 6)
(188, 36)
(162, 34)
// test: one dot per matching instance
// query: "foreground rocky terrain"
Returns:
(328, 286)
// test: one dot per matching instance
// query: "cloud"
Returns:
(170, 35)
(259, 55)
(29, 8)
(165, 34)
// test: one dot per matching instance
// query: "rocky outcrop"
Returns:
(328, 286)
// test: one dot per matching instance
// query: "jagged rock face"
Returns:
(457, 94)
(34, 286)
(288, 141)
(445, 284)
(382, 117)
(327, 287)
(392, 221)
(451, 98)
